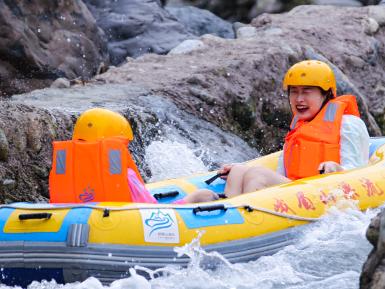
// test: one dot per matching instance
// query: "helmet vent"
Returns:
(303, 74)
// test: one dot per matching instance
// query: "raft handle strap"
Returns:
(210, 180)
(35, 216)
(171, 194)
(248, 208)
(106, 213)
(209, 208)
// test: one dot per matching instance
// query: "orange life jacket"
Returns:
(310, 143)
(90, 171)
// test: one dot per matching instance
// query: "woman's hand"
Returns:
(330, 167)
(225, 169)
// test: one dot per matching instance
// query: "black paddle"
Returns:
(210, 180)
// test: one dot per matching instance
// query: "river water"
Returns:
(327, 254)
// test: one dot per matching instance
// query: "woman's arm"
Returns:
(281, 167)
(354, 150)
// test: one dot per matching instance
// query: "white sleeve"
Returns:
(281, 166)
(354, 141)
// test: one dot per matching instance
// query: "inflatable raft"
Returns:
(71, 242)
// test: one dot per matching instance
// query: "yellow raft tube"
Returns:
(73, 242)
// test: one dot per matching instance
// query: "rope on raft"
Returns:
(144, 207)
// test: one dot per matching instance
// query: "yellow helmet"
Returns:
(98, 123)
(311, 73)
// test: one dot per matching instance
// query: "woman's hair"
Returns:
(328, 94)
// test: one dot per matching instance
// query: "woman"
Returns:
(327, 134)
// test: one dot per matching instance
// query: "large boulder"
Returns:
(241, 10)
(355, 3)
(199, 22)
(43, 40)
(136, 27)
(246, 10)
(373, 271)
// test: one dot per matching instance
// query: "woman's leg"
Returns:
(200, 196)
(234, 183)
(257, 178)
(233, 187)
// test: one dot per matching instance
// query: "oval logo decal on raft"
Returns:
(159, 221)
(160, 226)
(88, 195)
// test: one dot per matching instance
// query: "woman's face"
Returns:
(305, 101)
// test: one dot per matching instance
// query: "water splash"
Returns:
(171, 159)
(327, 254)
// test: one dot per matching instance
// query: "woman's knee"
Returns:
(239, 168)
(255, 171)
(255, 176)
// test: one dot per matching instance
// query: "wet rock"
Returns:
(237, 25)
(338, 2)
(246, 32)
(378, 14)
(4, 146)
(372, 276)
(33, 133)
(61, 83)
(9, 184)
(187, 46)
(245, 10)
(199, 22)
(137, 27)
(265, 6)
(371, 26)
(7, 187)
(42, 41)
(207, 38)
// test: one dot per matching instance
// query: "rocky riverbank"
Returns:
(372, 276)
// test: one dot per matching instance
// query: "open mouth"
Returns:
(301, 108)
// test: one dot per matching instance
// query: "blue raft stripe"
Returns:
(218, 186)
(213, 218)
(74, 216)
(166, 189)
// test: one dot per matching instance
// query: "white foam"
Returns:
(170, 159)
